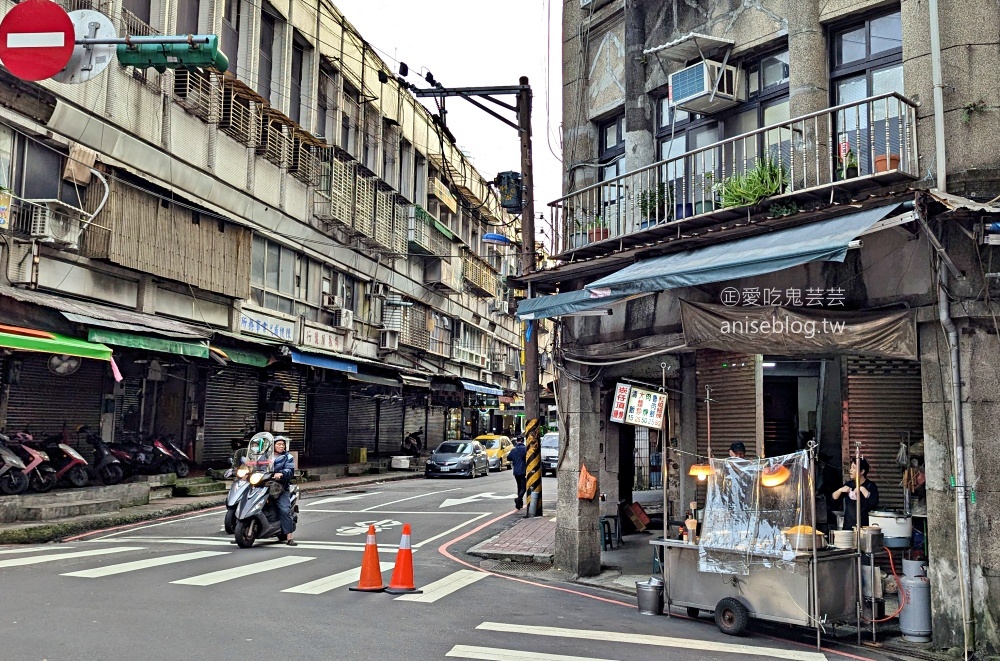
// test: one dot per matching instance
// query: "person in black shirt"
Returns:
(869, 495)
(519, 463)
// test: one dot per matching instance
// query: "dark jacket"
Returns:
(867, 504)
(285, 464)
(519, 459)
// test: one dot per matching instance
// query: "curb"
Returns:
(28, 533)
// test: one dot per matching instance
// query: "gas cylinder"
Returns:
(915, 618)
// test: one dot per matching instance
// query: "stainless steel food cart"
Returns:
(775, 593)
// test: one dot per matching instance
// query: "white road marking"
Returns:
(327, 583)
(451, 530)
(658, 641)
(357, 547)
(143, 564)
(36, 40)
(219, 513)
(239, 572)
(337, 499)
(475, 498)
(445, 586)
(493, 654)
(35, 559)
(31, 549)
(422, 495)
(326, 511)
(178, 540)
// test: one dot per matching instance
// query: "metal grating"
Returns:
(237, 118)
(305, 162)
(383, 218)
(364, 207)
(198, 92)
(400, 220)
(275, 141)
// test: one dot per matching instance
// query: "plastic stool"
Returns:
(611, 535)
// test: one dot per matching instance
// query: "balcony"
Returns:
(425, 234)
(854, 147)
(478, 273)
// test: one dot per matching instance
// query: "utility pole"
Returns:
(523, 126)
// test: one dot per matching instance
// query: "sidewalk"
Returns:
(57, 529)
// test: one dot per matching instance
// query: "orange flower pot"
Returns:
(886, 162)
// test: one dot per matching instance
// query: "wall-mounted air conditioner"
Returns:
(694, 88)
(54, 221)
(486, 376)
(442, 274)
(388, 340)
(500, 306)
(379, 290)
(332, 301)
(343, 318)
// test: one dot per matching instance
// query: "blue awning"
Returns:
(555, 305)
(765, 253)
(485, 390)
(319, 360)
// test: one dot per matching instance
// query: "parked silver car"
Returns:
(550, 452)
(462, 458)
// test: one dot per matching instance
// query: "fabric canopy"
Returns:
(178, 347)
(485, 390)
(55, 343)
(555, 305)
(415, 382)
(377, 380)
(321, 360)
(245, 356)
(764, 253)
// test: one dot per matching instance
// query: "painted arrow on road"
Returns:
(489, 495)
(338, 499)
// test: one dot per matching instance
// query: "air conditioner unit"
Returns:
(54, 221)
(388, 340)
(693, 88)
(487, 365)
(499, 365)
(500, 307)
(379, 290)
(486, 376)
(333, 302)
(456, 351)
(343, 318)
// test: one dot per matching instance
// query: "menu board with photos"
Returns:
(646, 408)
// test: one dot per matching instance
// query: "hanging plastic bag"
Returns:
(903, 456)
(586, 488)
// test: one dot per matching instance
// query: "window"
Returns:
(272, 275)
(612, 138)
(268, 24)
(6, 157)
(231, 32)
(139, 9)
(470, 345)
(326, 104)
(187, 16)
(867, 61)
(350, 122)
(420, 181)
(441, 336)
(299, 48)
(406, 170)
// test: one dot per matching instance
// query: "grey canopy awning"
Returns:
(556, 305)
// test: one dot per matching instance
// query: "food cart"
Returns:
(759, 555)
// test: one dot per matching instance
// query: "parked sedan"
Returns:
(463, 458)
(550, 452)
(497, 448)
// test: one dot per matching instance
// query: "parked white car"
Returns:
(550, 452)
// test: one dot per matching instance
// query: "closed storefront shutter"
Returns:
(231, 403)
(47, 403)
(390, 429)
(128, 402)
(415, 418)
(361, 423)
(295, 423)
(328, 415)
(436, 424)
(884, 403)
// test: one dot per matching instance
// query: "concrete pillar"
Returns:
(578, 548)
(640, 115)
(808, 91)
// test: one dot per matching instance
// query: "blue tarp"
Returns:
(569, 302)
(485, 390)
(765, 253)
(326, 362)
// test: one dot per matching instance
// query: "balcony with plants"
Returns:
(426, 235)
(855, 149)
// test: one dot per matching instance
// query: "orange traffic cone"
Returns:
(402, 574)
(371, 571)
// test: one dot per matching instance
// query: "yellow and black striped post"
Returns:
(534, 468)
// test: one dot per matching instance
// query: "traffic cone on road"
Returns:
(402, 575)
(371, 571)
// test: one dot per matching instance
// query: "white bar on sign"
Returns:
(36, 40)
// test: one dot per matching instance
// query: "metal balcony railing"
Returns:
(478, 273)
(424, 236)
(854, 145)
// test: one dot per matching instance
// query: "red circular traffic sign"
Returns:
(36, 39)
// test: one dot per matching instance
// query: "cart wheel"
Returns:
(731, 616)
(693, 612)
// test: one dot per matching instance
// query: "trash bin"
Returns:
(650, 596)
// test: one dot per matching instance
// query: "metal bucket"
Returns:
(650, 596)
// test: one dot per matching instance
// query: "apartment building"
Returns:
(294, 245)
(729, 165)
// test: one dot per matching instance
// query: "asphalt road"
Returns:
(179, 589)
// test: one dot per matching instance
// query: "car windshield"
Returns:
(454, 448)
(550, 441)
(490, 443)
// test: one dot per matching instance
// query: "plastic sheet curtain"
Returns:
(753, 510)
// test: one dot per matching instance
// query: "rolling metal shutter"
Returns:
(361, 423)
(413, 419)
(46, 403)
(295, 423)
(128, 402)
(390, 427)
(328, 411)
(232, 399)
(883, 402)
(437, 418)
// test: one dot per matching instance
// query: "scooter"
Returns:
(257, 515)
(180, 458)
(145, 458)
(41, 475)
(67, 462)
(13, 479)
(238, 489)
(106, 467)
(411, 444)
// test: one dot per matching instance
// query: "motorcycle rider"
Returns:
(284, 470)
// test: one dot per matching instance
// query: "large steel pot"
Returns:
(892, 523)
(805, 542)
(871, 539)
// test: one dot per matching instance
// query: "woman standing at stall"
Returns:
(869, 495)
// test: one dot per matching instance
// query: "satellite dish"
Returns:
(63, 365)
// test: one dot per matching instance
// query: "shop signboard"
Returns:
(646, 408)
(323, 339)
(265, 325)
(620, 404)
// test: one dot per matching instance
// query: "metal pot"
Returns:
(871, 539)
(892, 523)
(805, 542)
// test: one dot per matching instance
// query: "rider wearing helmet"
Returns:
(284, 470)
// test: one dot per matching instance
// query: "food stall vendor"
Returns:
(869, 495)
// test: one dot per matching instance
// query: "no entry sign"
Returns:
(36, 39)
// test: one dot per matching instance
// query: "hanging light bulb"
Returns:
(773, 476)
(700, 471)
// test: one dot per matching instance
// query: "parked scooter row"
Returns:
(153, 456)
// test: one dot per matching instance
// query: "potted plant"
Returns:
(886, 162)
(766, 178)
(577, 231)
(597, 230)
(848, 168)
(655, 205)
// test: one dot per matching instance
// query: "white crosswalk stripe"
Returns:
(327, 583)
(32, 549)
(495, 654)
(51, 557)
(445, 586)
(245, 570)
(158, 561)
